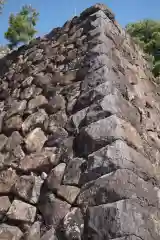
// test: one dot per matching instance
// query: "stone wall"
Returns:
(79, 136)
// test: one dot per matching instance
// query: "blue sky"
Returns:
(54, 13)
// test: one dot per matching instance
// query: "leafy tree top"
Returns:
(147, 34)
(22, 26)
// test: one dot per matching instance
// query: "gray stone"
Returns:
(8, 232)
(13, 124)
(27, 82)
(53, 210)
(2, 114)
(3, 140)
(13, 141)
(57, 103)
(73, 171)
(57, 135)
(113, 104)
(118, 185)
(34, 120)
(118, 155)
(34, 232)
(67, 147)
(37, 102)
(122, 218)
(49, 235)
(69, 193)
(17, 108)
(28, 92)
(18, 153)
(35, 140)
(38, 162)
(131, 237)
(59, 119)
(21, 211)
(4, 206)
(105, 131)
(73, 224)
(7, 180)
(78, 117)
(28, 188)
(55, 176)
(2, 161)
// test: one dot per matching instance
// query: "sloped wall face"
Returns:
(79, 136)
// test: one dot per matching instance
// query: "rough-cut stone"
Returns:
(38, 162)
(57, 103)
(67, 151)
(4, 206)
(59, 119)
(7, 180)
(35, 140)
(27, 82)
(13, 141)
(69, 193)
(105, 131)
(131, 237)
(3, 140)
(56, 138)
(34, 120)
(55, 176)
(34, 232)
(73, 224)
(8, 232)
(16, 108)
(21, 211)
(28, 188)
(2, 161)
(13, 124)
(115, 156)
(37, 102)
(118, 185)
(18, 153)
(113, 104)
(53, 209)
(2, 114)
(73, 171)
(49, 235)
(119, 219)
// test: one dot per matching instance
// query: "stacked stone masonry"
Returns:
(79, 136)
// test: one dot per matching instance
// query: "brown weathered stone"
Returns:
(37, 119)
(7, 180)
(28, 188)
(13, 124)
(36, 102)
(21, 211)
(3, 140)
(69, 193)
(8, 232)
(35, 140)
(4, 206)
(53, 209)
(38, 162)
(55, 176)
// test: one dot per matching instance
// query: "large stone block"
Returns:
(105, 131)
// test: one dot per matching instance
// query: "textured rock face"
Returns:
(79, 136)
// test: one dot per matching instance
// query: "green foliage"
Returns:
(147, 34)
(21, 26)
(156, 69)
